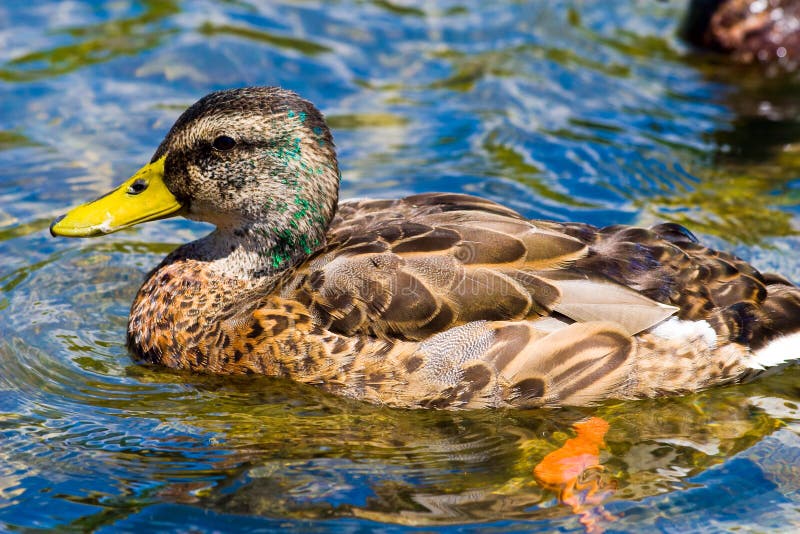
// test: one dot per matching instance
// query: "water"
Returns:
(589, 111)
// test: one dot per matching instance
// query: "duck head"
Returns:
(258, 162)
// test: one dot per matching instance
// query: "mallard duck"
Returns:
(751, 31)
(436, 300)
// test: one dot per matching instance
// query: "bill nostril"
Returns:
(137, 187)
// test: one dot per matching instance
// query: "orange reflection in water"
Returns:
(573, 471)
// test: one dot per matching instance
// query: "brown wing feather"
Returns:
(416, 266)
(667, 264)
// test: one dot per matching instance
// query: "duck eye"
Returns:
(223, 143)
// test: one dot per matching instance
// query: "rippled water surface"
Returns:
(591, 111)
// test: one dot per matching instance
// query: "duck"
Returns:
(435, 300)
(749, 31)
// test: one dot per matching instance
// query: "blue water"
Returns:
(590, 111)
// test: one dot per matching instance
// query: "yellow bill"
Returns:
(143, 197)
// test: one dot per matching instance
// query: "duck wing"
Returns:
(413, 267)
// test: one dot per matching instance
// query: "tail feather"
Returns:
(777, 352)
(777, 338)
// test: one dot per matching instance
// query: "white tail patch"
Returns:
(679, 330)
(781, 350)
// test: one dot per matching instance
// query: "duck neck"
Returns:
(257, 253)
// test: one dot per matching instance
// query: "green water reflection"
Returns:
(95, 43)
